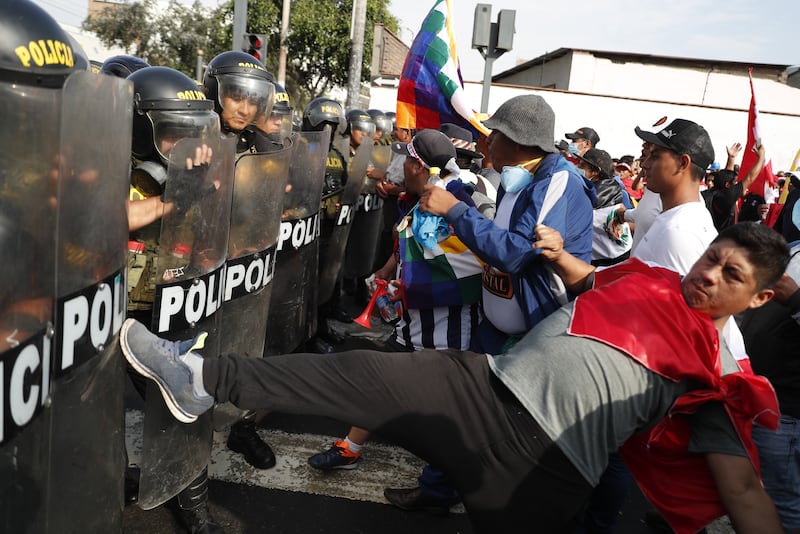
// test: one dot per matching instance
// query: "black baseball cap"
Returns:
(461, 139)
(683, 137)
(432, 147)
(601, 160)
(584, 133)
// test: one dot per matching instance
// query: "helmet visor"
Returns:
(251, 96)
(285, 124)
(169, 127)
(365, 126)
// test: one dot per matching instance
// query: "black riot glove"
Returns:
(189, 187)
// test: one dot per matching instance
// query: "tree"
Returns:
(169, 38)
(318, 43)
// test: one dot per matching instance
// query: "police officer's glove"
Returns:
(189, 188)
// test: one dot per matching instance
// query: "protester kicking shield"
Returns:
(524, 436)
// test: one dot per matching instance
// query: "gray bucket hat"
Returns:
(527, 120)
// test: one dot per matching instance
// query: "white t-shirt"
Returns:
(500, 303)
(677, 237)
(643, 215)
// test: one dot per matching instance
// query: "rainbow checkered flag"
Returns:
(431, 90)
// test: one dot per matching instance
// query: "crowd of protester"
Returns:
(565, 320)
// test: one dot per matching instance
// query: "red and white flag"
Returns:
(765, 177)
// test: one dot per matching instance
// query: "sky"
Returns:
(763, 31)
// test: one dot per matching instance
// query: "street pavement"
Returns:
(294, 498)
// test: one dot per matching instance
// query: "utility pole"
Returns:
(357, 26)
(284, 50)
(239, 23)
(492, 39)
(199, 67)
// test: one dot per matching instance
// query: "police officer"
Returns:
(383, 127)
(62, 150)
(243, 91)
(360, 126)
(277, 126)
(168, 106)
(318, 114)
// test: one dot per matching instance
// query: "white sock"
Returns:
(353, 446)
(195, 363)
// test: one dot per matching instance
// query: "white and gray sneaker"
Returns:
(163, 362)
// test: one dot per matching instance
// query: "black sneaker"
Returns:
(245, 440)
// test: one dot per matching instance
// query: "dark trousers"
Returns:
(608, 498)
(445, 407)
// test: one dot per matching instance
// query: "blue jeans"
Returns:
(779, 454)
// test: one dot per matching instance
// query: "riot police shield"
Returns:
(259, 184)
(28, 180)
(368, 222)
(189, 292)
(293, 316)
(381, 156)
(342, 143)
(258, 190)
(332, 249)
(88, 423)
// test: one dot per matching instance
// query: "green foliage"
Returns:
(318, 42)
(170, 38)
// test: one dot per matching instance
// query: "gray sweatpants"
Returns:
(446, 407)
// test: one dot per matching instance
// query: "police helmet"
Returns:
(34, 49)
(322, 111)
(358, 119)
(167, 106)
(81, 58)
(282, 106)
(239, 75)
(279, 123)
(383, 123)
(122, 66)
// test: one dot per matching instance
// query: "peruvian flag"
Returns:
(754, 139)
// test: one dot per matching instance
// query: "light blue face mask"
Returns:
(515, 178)
(582, 172)
(573, 149)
